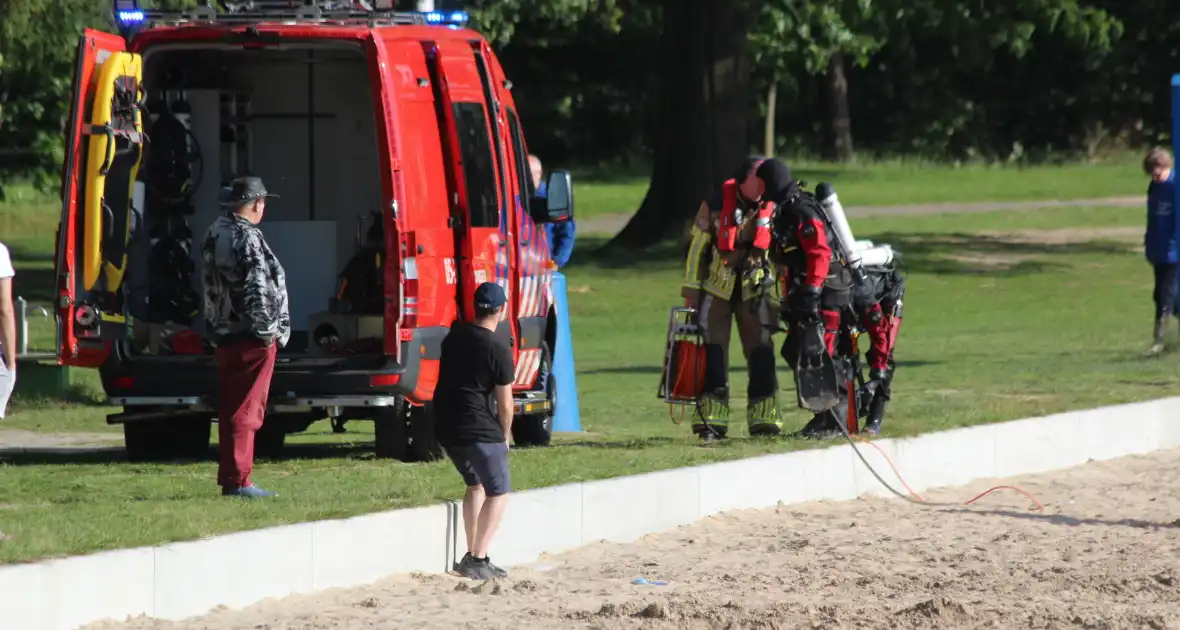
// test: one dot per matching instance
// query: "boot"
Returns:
(876, 415)
(762, 413)
(876, 394)
(715, 411)
(1157, 345)
(763, 418)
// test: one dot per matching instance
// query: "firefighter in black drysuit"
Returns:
(815, 296)
(873, 305)
(728, 276)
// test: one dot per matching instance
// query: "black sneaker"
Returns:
(473, 569)
(484, 565)
(462, 563)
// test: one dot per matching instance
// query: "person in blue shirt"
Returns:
(561, 233)
(1161, 241)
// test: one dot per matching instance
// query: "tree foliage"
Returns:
(38, 40)
(944, 79)
(499, 20)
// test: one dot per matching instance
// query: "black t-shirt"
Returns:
(473, 362)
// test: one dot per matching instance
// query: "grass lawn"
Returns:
(900, 183)
(1008, 315)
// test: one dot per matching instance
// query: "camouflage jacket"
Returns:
(245, 286)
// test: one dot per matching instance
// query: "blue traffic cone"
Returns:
(566, 419)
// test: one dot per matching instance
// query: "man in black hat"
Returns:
(247, 319)
(473, 422)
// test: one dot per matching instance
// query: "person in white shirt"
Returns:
(7, 330)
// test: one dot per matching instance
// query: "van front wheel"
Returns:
(536, 429)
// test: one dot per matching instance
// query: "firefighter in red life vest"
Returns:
(728, 276)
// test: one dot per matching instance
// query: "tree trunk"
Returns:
(701, 136)
(839, 121)
(771, 112)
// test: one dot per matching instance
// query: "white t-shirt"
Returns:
(7, 379)
(6, 271)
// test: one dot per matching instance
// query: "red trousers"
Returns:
(245, 369)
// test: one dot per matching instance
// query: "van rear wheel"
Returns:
(270, 439)
(167, 439)
(391, 432)
(424, 446)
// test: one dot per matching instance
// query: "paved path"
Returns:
(612, 223)
(20, 442)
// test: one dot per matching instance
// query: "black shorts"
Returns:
(483, 463)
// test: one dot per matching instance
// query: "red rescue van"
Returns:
(355, 116)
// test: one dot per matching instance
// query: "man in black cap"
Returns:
(247, 319)
(473, 422)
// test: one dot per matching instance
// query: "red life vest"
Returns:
(730, 222)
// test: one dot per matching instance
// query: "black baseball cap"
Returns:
(244, 190)
(490, 295)
(777, 177)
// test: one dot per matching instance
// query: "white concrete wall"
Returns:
(185, 579)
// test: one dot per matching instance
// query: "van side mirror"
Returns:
(558, 203)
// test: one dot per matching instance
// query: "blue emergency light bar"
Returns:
(444, 18)
(456, 18)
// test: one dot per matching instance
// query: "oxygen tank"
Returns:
(876, 256)
(846, 244)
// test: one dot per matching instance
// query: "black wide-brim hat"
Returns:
(244, 190)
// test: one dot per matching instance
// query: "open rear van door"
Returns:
(482, 250)
(397, 290)
(104, 146)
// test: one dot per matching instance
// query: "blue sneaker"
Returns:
(250, 492)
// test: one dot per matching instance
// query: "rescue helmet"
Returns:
(747, 167)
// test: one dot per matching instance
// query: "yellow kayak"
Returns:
(110, 173)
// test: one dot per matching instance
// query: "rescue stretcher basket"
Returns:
(682, 379)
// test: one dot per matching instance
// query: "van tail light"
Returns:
(409, 316)
(384, 380)
(123, 382)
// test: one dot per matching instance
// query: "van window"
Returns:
(479, 171)
(524, 175)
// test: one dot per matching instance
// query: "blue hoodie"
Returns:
(561, 235)
(1162, 240)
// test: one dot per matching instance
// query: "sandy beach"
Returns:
(1104, 553)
